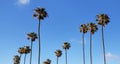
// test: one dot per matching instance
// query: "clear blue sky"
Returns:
(65, 17)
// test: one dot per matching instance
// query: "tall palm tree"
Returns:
(32, 36)
(103, 20)
(21, 51)
(92, 27)
(58, 54)
(16, 59)
(48, 61)
(40, 13)
(26, 51)
(83, 29)
(66, 46)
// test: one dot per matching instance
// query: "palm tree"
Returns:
(92, 27)
(66, 46)
(21, 51)
(48, 61)
(84, 30)
(26, 51)
(103, 20)
(40, 13)
(32, 36)
(58, 54)
(16, 59)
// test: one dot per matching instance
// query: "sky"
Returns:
(62, 24)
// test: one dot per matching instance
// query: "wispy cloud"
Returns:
(22, 2)
(112, 57)
(77, 41)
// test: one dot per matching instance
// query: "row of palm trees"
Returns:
(41, 13)
(102, 20)
(26, 50)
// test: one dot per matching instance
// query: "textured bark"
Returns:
(57, 60)
(90, 48)
(20, 58)
(83, 49)
(66, 55)
(39, 49)
(103, 45)
(25, 59)
(31, 53)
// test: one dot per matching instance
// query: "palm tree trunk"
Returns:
(103, 45)
(57, 60)
(90, 48)
(39, 42)
(20, 57)
(31, 53)
(66, 55)
(83, 49)
(24, 58)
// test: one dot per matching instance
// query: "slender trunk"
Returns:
(103, 45)
(90, 48)
(66, 55)
(39, 42)
(83, 50)
(31, 53)
(20, 57)
(57, 60)
(24, 58)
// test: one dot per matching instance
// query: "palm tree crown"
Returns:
(40, 13)
(48, 61)
(32, 36)
(92, 27)
(58, 53)
(66, 45)
(102, 19)
(27, 49)
(21, 50)
(83, 28)
(16, 59)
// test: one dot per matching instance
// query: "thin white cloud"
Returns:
(111, 57)
(77, 41)
(22, 2)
